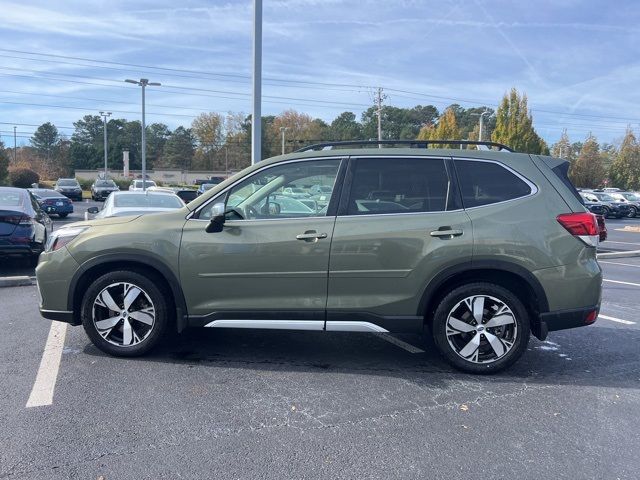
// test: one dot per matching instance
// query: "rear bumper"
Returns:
(564, 319)
(10, 249)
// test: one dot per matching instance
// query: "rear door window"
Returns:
(399, 185)
(484, 183)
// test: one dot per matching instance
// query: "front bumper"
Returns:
(53, 274)
(73, 194)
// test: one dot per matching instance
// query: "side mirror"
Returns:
(93, 210)
(217, 219)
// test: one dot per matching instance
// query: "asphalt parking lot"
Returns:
(274, 404)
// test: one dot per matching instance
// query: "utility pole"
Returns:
(256, 119)
(282, 131)
(15, 151)
(144, 82)
(379, 98)
(104, 116)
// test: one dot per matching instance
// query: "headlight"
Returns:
(63, 237)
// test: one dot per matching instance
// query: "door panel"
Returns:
(381, 264)
(256, 265)
(399, 225)
(271, 260)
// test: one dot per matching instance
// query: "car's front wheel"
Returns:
(481, 328)
(125, 313)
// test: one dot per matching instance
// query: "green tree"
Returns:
(157, 136)
(345, 127)
(45, 139)
(397, 123)
(180, 148)
(446, 129)
(625, 169)
(562, 148)
(588, 171)
(514, 125)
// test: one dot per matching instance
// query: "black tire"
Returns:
(63, 215)
(521, 336)
(633, 212)
(606, 212)
(154, 290)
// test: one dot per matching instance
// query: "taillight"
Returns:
(583, 225)
(16, 219)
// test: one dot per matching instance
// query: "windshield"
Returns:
(10, 199)
(133, 200)
(105, 183)
(48, 194)
(148, 183)
(67, 183)
(631, 197)
(207, 186)
(605, 197)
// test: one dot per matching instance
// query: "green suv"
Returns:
(478, 248)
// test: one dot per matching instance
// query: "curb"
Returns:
(628, 254)
(16, 281)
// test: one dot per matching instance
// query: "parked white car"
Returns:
(136, 185)
(120, 204)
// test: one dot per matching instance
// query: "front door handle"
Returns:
(311, 236)
(446, 232)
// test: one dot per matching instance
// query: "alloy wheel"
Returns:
(481, 329)
(123, 314)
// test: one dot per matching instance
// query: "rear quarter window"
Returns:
(485, 183)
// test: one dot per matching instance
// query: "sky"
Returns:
(577, 61)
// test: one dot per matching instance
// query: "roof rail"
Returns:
(410, 143)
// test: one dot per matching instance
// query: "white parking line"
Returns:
(623, 283)
(617, 320)
(621, 243)
(45, 384)
(621, 264)
(399, 343)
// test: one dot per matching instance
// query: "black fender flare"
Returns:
(142, 258)
(496, 265)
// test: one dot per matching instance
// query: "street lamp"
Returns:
(104, 116)
(282, 131)
(143, 82)
(486, 112)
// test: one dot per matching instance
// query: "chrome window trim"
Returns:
(534, 188)
(191, 214)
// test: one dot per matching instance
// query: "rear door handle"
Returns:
(446, 232)
(311, 236)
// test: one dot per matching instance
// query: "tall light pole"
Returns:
(104, 116)
(15, 151)
(486, 112)
(256, 119)
(282, 131)
(143, 82)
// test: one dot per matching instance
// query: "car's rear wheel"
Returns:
(606, 212)
(125, 313)
(481, 328)
(633, 212)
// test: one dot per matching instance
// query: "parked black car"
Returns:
(69, 187)
(101, 189)
(24, 226)
(186, 194)
(52, 202)
(612, 207)
(593, 204)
